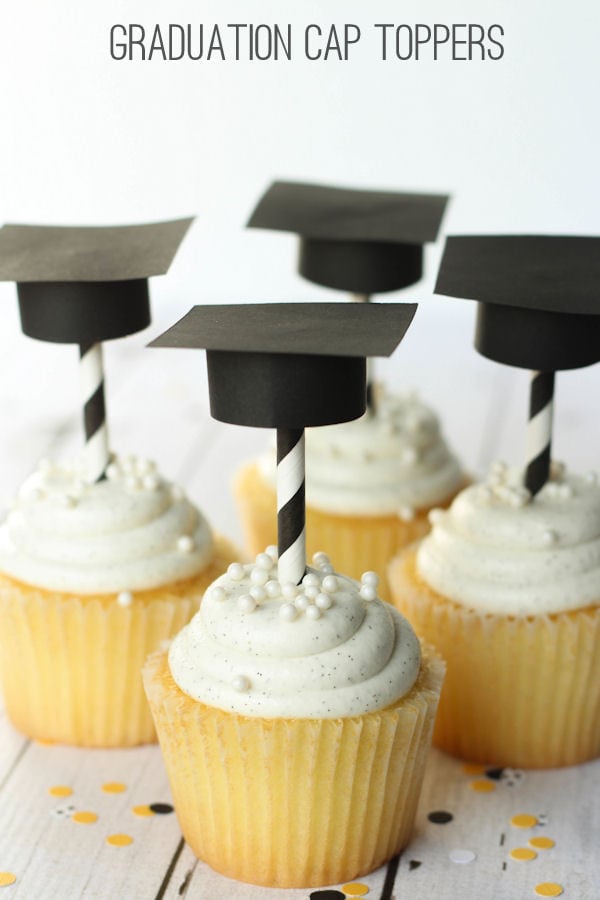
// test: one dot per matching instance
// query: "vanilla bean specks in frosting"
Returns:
(393, 460)
(322, 649)
(133, 531)
(499, 550)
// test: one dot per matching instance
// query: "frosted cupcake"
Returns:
(508, 590)
(371, 484)
(294, 721)
(93, 578)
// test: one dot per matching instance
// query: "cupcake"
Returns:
(507, 587)
(370, 486)
(295, 722)
(93, 577)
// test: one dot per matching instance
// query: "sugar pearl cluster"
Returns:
(138, 473)
(311, 598)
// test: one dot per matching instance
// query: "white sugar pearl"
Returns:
(301, 602)
(313, 612)
(273, 588)
(264, 561)
(549, 538)
(246, 603)
(150, 482)
(241, 683)
(133, 483)
(146, 466)
(330, 584)
(565, 492)
(323, 601)
(406, 513)
(498, 467)
(218, 593)
(311, 591)
(272, 551)
(185, 544)
(320, 558)
(368, 592)
(310, 578)
(287, 612)
(259, 576)
(235, 571)
(125, 598)
(327, 569)
(289, 590)
(113, 471)
(435, 516)
(370, 578)
(258, 592)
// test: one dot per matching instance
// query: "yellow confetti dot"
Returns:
(549, 889)
(60, 790)
(114, 787)
(142, 810)
(542, 843)
(119, 840)
(355, 889)
(85, 818)
(524, 820)
(473, 769)
(44, 743)
(7, 878)
(523, 854)
(483, 787)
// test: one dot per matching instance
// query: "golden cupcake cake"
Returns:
(295, 711)
(507, 585)
(370, 486)
(507, 588)
(93, 577)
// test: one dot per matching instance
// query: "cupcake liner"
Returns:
(520, 691)
(294, 802)
(70, 667)
(355, 543)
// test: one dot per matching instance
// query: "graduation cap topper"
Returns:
(288, 366)
(360, 241)
(84, 285)
(538, 308)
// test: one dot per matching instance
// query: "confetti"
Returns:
(119, 840)
(524, 820)
(60, 790)
(482, 787)
(327, 894)
(549, 889)
(473, 769)
(523, 854)
(85, 818)
(462, 857)
(355, 889)
(440, 817)
(542, 843)
(114, 787)
(414, 864)
(161, 809)
(7, 878)
(143, 810)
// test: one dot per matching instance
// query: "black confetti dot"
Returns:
(440, 817)
(414, 864)
(328, 894)
(494, 774)
(161, 809)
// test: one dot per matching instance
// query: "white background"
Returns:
(88, 140)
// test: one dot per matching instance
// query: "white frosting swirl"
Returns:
(324, 649)
(393, 460)
(498, 550)
(133, 531)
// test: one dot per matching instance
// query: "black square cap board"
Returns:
(361, 241)
(538, 296)
(289, 365)
(86, 284)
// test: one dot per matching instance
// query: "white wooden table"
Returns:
(158, 406)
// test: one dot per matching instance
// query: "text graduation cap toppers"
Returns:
(538, 308)
(288, 366)
(84, 285)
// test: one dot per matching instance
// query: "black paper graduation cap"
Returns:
(84, 285)
(538, 297)
(365, 242)
(289, 365)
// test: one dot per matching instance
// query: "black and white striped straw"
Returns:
(539, 430)
(96, 454)
(365, 298)
(291, 514)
